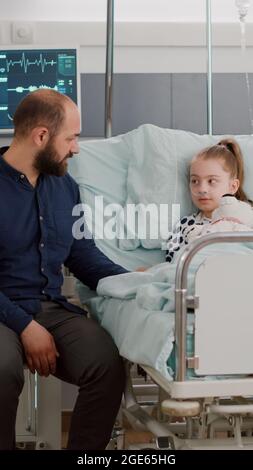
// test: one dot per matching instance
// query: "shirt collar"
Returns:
(201, 218)
(8, 169)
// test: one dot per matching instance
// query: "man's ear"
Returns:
(40, 136)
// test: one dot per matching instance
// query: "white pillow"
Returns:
(158, 174)
(146, 165)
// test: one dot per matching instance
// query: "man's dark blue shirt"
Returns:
(35, 240)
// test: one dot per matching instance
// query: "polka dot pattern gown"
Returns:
(178, 238)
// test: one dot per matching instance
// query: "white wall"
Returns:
(151, 36)
(125, 10)
(145, 47)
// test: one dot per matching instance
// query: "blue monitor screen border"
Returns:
(25, 70)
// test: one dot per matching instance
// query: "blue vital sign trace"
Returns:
(25, 70)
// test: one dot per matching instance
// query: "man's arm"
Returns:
(86, 261)
(12, 315)
(40, 349)
(89, 264)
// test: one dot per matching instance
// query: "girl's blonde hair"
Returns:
(229, 151)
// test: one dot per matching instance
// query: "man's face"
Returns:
(53, 158)
(48, 161)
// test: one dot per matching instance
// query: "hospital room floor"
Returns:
(130, 436)
(147, 393)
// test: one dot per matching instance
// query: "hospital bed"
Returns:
(206, 382)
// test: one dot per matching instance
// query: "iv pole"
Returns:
(209, 68)
(109, 68)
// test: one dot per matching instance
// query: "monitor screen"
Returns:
(25, 70)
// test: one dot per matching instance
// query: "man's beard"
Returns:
(46, 161)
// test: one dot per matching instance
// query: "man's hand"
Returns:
(40, 349)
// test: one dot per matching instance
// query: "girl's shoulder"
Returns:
(189, 219)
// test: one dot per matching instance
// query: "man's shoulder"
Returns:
(64, 184)
(65, 180)
(70, 181)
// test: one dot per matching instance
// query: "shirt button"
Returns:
(41, 217)
(42, 270)
(22, 176)
(43, 292)
(42, 245)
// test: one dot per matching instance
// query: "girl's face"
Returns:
(209, 182)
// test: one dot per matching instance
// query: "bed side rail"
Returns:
(181, 300)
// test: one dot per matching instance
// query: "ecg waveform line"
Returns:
(25, 63)
(20, 89)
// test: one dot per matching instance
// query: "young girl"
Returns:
(214, 172)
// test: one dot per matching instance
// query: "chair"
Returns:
(38, 422)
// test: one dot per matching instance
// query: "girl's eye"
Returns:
(212, 181)
(194, 181)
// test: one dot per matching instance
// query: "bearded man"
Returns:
(37, 324)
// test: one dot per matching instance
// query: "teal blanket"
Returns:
(137, 308)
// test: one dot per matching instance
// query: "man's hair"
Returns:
(40, 108)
